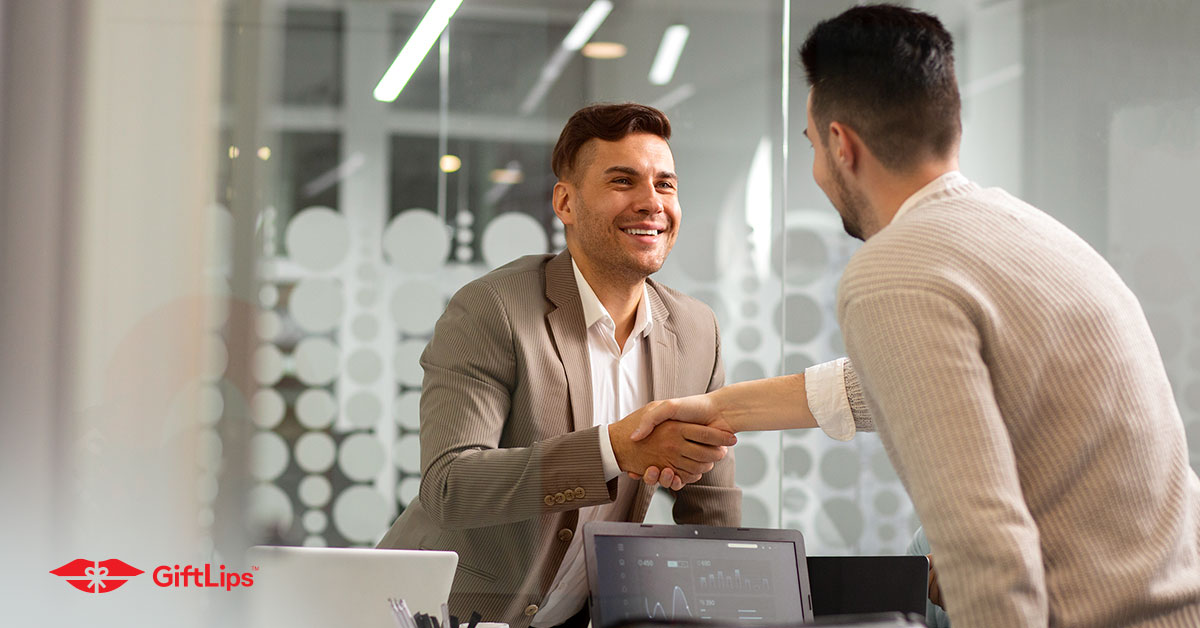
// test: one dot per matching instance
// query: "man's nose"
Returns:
(649, 200)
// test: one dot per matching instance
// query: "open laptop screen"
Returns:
(639, 571)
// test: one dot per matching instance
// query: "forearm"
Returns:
(776, 403)
(481, 487)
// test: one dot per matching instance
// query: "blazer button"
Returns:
(569, 494)
(531, 610)
(579, 492)
(565, 535)
(559, 498)
(549, 500)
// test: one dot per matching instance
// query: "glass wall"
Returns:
(369, 215)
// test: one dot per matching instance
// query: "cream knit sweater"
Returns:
(1021, 397)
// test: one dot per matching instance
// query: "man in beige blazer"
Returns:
(531, 368)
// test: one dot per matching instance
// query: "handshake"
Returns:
(672, 442)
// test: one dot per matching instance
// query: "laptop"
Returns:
(311, 587)
(843, 585)
(682, 573)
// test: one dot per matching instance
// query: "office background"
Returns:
(222, 254)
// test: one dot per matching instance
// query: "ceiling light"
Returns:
(583, 30)
(669, 50)
(413, 52)
(604, 50)
(450, 163)
(591, 20)
(507, 176)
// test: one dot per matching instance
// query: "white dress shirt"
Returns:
(825, 384)
(620, 385)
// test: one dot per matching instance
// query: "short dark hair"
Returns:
(888, 73)
(606, 121)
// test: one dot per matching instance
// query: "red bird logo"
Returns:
(99, 576)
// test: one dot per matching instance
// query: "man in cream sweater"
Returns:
(983, 331)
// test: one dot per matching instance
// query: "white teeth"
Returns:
(650, 232)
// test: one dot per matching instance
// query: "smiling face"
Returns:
(620, 206)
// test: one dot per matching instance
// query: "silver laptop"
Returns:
(310, 587)
(682, 573)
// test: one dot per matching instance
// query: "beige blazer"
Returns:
(508, 450)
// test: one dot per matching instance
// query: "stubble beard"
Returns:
(851, 205)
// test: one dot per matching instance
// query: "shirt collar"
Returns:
(945, 182)
(593, 309)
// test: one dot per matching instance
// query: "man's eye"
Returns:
(622, 180)
(666, 184)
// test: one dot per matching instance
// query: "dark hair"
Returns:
(606, 121)
(888, 73)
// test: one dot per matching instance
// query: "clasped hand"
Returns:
(671, 442)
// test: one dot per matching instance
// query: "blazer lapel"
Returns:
(570, 336)
(662, 348)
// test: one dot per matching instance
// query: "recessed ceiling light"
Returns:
(450, 163)
(604, 50)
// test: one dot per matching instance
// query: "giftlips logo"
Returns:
(101, 576)
(108, 575)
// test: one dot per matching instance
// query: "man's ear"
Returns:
(844, 145)
(564, 196)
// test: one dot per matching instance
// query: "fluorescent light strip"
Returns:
(669, 51)
(589, 21)
(410, 57)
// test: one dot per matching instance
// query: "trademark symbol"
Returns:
(254, 567)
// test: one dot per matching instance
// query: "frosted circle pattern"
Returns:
(807, 257)
(315, 521)
(210, 450)
(315, 491)
(887, 532)
(218, 358)
(315, 408)
(407, 454)
(268, 296)
(749, 309)
(840, 467)
(407, 362)
(749, 339)
(363, 410)
(804, 318)
(269, 325)
(366, 297)
(408, 490)
(797, 461)
(212, 405)
(745, 371)
(364, 366)
(318, 238)
(270, 508)
(511, 235)
(365, 328)
(407, 411)
(316, 361)
(268, 408)
(416, 306)
(268, 455)
(416, 240)
(360, 514)
(795, 500)
(755, 513)
(207, 488)
(315, 452)
(317, 304)
(315, 541)
(751, 467)
(361, 457)
(796, 363)
(268, 364)
(840, 523)
(887, 503)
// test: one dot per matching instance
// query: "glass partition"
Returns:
(372, 214)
